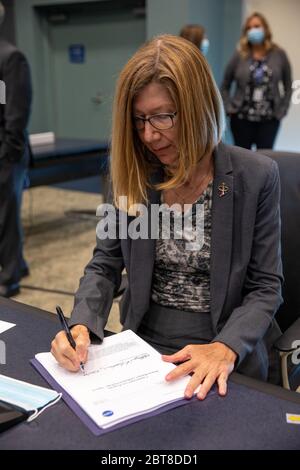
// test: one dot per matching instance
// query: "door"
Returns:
(87, 54)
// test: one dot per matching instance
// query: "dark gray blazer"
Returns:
(238, 72)
(246, 271)
(14, 115)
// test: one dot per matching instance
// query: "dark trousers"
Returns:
(12, 176)
(246, 133)
(168, 330)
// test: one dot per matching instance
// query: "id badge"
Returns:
(257, 94)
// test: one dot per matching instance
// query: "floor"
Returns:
(59, 236)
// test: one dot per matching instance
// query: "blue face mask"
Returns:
(26, 396)
(204, 46)
(256, 35)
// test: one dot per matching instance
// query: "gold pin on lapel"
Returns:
(223, 189)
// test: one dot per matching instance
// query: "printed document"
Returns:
(124, 377)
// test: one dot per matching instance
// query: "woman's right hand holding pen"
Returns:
(63, 352)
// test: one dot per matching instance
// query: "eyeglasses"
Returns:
(161, 122)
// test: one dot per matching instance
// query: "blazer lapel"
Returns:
(221, 236)
(143, 251)
(142, 264)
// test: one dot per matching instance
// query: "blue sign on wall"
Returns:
(77, 53)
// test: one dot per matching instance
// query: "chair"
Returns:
(288, 316)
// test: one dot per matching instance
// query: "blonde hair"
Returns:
(244, 47)
(179, 66)
(2, 13)
(194, 33)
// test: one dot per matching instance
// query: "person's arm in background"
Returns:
(16, 76)
(287, 84)
(227, 83)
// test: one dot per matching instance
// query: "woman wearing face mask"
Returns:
(262, 74)
(196, 34)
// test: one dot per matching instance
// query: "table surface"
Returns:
(67, 146)
(251, 416)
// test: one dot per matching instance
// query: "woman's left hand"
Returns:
(209, 363)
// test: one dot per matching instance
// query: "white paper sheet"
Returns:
(5, 325)
(124, 377)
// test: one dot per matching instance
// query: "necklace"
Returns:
(196, 190)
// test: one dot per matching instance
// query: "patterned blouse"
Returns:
(258, 101)
(181, 277)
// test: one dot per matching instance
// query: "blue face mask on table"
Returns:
(27, 396)
(204, 46)
(256, 35)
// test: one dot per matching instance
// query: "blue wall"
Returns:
(221, 18)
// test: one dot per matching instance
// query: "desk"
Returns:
(252, 416)
(68, 159)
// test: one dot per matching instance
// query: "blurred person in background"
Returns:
(14, 158)
(261, 73)
(196, 34)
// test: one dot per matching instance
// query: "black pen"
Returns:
(66, 328)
